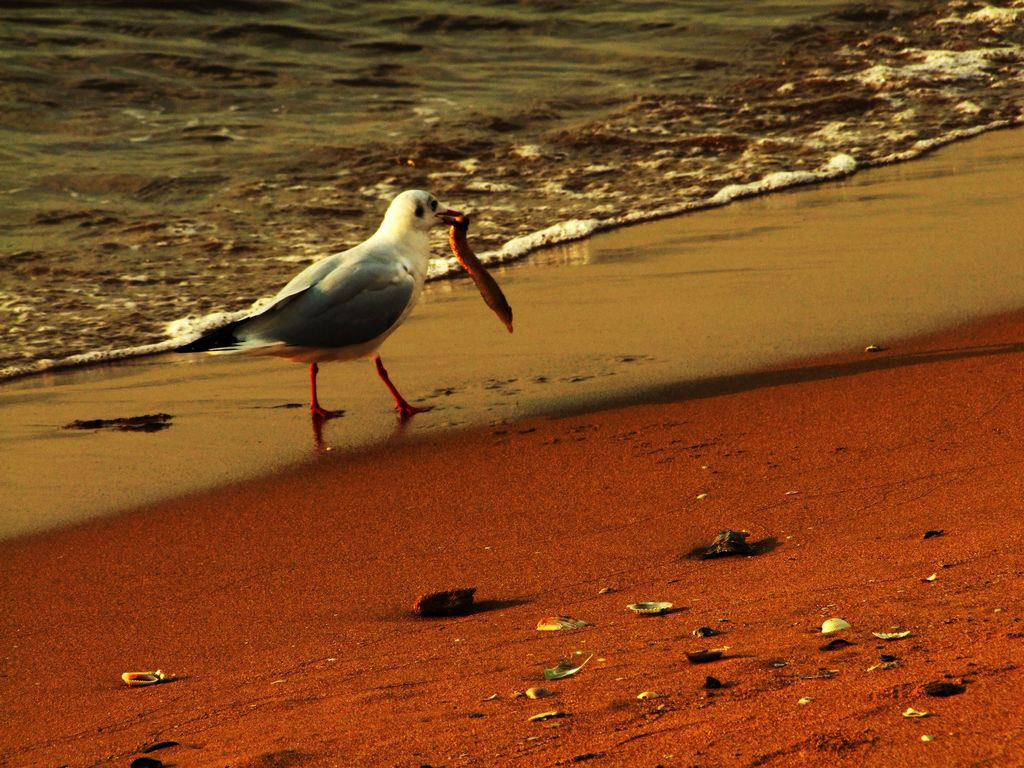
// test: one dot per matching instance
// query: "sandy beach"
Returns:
(280, 598)
(660, 311)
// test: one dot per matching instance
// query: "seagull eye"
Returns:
(433, 205)
(419, 210)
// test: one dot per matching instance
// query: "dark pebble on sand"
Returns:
(933, 534)
(729, 543)
(943, 689)
(453, 602)
(711, 683)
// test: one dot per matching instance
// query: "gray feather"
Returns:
(342, 305)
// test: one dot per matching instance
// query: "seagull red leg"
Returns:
(400, 402)
(314, 405)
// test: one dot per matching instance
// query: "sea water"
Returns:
(164, 166)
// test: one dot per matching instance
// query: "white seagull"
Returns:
(344, 306)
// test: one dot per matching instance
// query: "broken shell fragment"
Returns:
(892, 664)
(703, 657)
(547, 715)
(729, 543)
(804, 700)
(821, 674)
(644, 695)
(453, 602)
(565, 668)
(555, 623)
(911, 712)
(834, 625)
(538, 693)
(139, 679)
(892, 635)
(649, 609)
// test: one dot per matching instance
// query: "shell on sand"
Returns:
(834, 625)
(649, 609)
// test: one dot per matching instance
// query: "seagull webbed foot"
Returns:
(322, 414)
(406, 411)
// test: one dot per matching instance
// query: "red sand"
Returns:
(283, 605)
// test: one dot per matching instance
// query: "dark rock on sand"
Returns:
(943, 689)
(729, 543)
(453, 602)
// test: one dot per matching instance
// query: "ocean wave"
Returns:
(291, 155)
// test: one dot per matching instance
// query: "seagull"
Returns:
(344, 306)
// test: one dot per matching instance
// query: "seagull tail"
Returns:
(222, 339)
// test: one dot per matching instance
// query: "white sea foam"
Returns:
(382, 190)
(991, 15)
(527, 151)
(518, 247)
(574, 229)
(938, 66)
(86, 358)
(837, 166)
(967, 108)
(927, 145)
(489, 186)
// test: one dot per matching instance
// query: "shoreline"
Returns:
(651, 311)
(563, 233)
(283, 604)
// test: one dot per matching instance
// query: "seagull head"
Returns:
(415, 209)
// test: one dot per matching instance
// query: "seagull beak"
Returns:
(449, 216)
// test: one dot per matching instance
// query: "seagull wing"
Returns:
(349, 302)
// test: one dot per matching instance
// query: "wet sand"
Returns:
(282, 602)
(658, 311)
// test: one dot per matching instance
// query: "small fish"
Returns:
(488, 288)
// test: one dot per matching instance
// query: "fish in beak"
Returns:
(448, 216)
